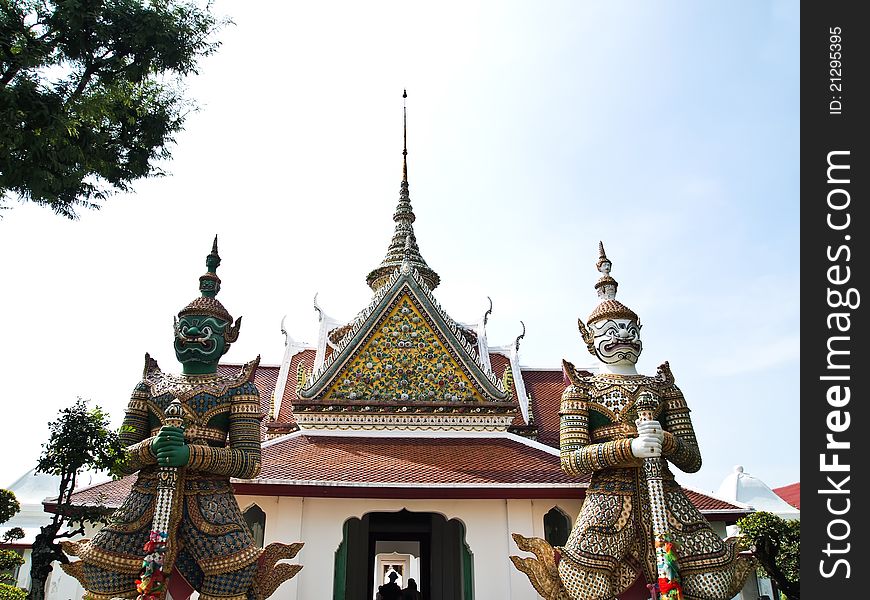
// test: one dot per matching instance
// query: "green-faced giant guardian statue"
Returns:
(180, 529)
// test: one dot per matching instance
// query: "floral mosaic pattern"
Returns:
(404, 362)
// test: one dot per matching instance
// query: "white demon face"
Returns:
(616, 341)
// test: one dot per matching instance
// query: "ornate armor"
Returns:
(187, 435)
(624, 429)
(611, 542)
(216, 553)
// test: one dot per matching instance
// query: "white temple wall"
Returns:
(488, 524)
(318, 523)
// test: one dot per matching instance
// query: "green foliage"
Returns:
(91, 94)
(9, 559)
(776, 544)
(12, 534)
(8, 505)
(10, 592)
(79, 438)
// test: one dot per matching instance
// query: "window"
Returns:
(557, 526)
(256, 520)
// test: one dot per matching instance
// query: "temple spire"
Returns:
(405, 136)
(403, 247)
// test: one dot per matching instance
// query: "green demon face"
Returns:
(200, 340)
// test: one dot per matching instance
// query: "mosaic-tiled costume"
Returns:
(624, 429)
(186, 435)
(216, 554)
(610, 544)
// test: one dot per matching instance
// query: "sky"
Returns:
(669, 130)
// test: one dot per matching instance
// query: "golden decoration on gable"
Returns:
(404, 362)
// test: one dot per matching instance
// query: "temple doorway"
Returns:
(422, 546)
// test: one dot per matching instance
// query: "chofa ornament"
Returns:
(636, 523)
(180, 529)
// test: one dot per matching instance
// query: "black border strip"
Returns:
(834, 73)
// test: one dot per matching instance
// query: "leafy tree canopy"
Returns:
(91, 95)
(80, 438)
(8, 505)
(9, 559)
(776, 544)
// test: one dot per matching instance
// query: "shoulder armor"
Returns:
(248, 371)
(151, 367)
(575, 375)
(664, 373)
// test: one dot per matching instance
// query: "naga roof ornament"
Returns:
(403, 245)
(609, 307)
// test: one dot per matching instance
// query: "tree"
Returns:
(9, 559)
(79, 439)
(91, 94)
(776, 544)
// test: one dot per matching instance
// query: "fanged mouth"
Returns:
(613, 346)
(206, 343)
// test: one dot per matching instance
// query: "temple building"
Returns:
(402, 441)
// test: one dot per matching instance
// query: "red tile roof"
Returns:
(790, 493)
(411, 461)
(545, 387)
(390, 467)
(499, 362)
(706, 503)
(306, 357)
(265, 379)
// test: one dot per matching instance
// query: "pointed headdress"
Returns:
(609, 307)
(206, 303)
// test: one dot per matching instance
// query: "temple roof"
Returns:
(403, 355)
(743, 487)
(790, 493)
(403, 247)
(362, 465)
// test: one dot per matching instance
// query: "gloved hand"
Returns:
(648, 443)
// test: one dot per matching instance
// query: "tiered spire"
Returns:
(609, 307)
(403, 247)
(209, 286)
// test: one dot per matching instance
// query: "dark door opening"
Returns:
(432, 547)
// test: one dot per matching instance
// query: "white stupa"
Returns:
(743, 487)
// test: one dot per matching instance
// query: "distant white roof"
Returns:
(33, 487)
(30, 490)
(745, 488)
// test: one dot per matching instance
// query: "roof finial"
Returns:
(519, 337)
(405, 135)
(403, 247)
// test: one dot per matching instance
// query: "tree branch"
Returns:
(8, 75)
(86, 77)
(80, 530)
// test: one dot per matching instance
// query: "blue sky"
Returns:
(669, 130)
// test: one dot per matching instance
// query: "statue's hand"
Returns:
(650, 428)
(646, 446)
(169, 447)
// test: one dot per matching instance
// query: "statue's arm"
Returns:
(241, 457)
(578, 455)
(679, 446)
(135, 432)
